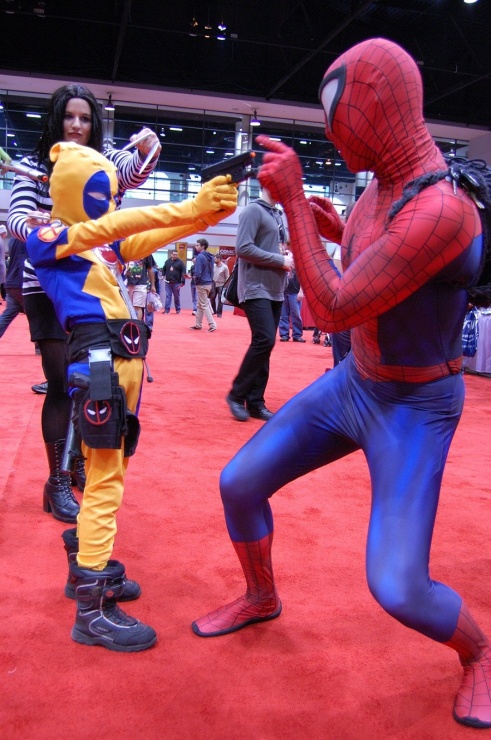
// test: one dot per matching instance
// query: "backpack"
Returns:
(473, 176)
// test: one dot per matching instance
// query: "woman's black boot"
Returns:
(58, 498)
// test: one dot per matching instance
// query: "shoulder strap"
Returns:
(473, 176)
(276, 215)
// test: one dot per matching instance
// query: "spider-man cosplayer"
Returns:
(398, 395)
(106, 348)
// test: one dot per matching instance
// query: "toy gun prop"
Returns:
(21, 169)
(238, 167)
(72, 449)
(6, 165)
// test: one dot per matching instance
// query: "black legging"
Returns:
(55, 415)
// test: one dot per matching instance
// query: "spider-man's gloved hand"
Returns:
(281, 171)
(327, 219)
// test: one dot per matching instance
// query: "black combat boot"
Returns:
(58, 496)
(131, 589)
(99, 619)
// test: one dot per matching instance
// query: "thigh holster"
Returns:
(101, 416)
(101, 422)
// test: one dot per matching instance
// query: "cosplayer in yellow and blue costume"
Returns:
(79, 272)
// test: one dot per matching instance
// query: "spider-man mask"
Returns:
(372, 97)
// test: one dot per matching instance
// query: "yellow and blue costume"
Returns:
(78, 257)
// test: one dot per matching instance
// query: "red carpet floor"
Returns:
(332, 666)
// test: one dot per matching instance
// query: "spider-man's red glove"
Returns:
(327, 219)
(281, 171)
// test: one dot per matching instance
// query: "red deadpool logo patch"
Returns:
(97, 413)
(131, 338)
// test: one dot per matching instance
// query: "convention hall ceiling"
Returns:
(272, 50)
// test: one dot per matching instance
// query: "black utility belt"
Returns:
(127, 338)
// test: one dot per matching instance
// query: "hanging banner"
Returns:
(182, 251)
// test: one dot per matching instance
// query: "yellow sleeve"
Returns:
(121, 224)
(141, 245)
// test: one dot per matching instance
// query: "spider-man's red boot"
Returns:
(260, 601)
(473, 701)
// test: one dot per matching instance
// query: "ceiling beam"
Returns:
(335, 32)
(122, 31)
(457, 88)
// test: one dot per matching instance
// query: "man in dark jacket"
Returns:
(261, 285)
(203, 275)
(174, 274)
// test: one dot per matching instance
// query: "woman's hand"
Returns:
(145, 145)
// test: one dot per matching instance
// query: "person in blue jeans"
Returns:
(13, 284)
(290, 311)
(194, 292)
(174, 273)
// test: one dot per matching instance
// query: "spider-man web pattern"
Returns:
(406, 266)
(472, 704)
(398, 395)
(259, 604)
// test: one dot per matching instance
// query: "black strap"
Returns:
(100, 381)
(277, 217)
(127, 338)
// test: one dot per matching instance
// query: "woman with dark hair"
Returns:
(54, 129)
(73, 115)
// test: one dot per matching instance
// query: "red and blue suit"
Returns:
(398, 395)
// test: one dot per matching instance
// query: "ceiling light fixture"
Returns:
(194, 27)
(39, 9)
(221, 35)
(208, 26)
(470, 2)
(255, 120)
(109, 105)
